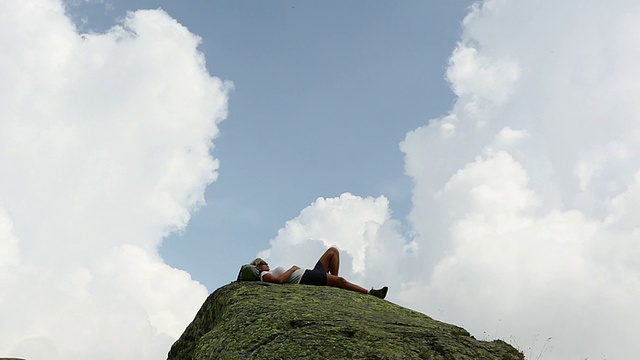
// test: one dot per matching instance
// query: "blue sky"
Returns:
(480, 160)
(323, 94)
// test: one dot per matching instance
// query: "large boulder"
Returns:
(256, 320)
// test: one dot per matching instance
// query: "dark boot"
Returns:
(379, 293)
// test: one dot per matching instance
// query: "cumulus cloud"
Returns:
(525, 218)
(322, 225)
(104, 150)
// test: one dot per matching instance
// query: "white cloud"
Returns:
(9, 249)
(104, 150)
(480, 78)
(525, 195)
(526, 224)
(322, 225)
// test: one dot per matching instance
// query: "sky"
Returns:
(479, 158)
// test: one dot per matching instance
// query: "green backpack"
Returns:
(249, 272)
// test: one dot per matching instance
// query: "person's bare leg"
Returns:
(331, 261)
(340, 282)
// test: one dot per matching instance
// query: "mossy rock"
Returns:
(258, 320)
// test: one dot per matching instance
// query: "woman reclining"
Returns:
(325, 273)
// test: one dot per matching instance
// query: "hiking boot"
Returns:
(379, 293)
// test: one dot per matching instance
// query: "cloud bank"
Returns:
(104, 150)
(525, 200)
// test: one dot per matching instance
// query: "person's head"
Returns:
(260, 264)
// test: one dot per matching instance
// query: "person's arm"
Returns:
(280, 279)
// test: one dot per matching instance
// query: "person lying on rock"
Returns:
(325, 273)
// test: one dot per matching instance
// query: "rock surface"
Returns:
(255, 320)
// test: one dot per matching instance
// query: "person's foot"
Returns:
(379, 293)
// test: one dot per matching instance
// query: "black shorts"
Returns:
(317, 276)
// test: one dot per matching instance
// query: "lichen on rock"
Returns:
(255, 320)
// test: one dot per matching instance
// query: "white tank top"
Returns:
(277, 272)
